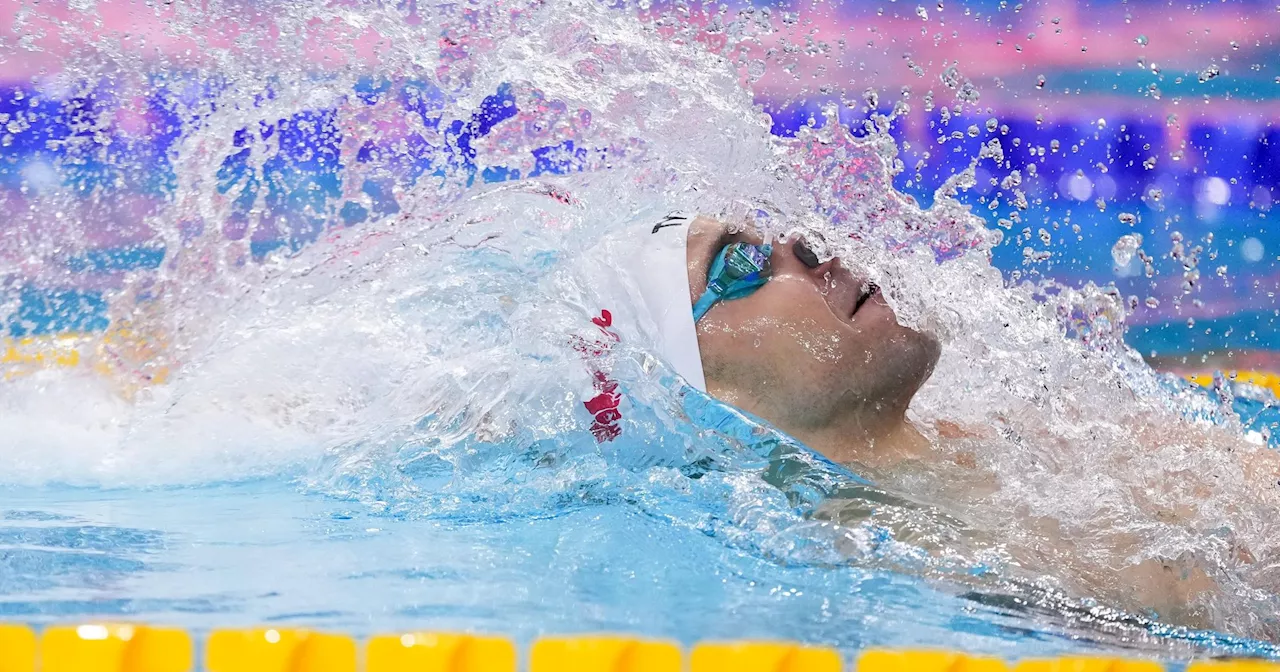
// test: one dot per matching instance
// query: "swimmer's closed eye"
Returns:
(738, 270)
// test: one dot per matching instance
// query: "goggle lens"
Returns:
(738, 271)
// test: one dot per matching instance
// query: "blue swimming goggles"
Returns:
(738, 270)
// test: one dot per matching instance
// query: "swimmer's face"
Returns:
(815, 341)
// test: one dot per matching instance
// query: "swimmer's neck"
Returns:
(878, 436)
(877, 440)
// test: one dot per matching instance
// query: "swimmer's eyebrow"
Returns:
(725, 237)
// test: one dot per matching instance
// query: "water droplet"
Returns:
(1141, 40)
(871, 97)
(992, 125)
(922, 13)
(1252, 250)
(1125, 248)
(1128, 218)
(1039, 81)
(950, 77)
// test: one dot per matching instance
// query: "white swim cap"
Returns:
(650, 259)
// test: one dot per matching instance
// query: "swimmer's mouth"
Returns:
(868, 290)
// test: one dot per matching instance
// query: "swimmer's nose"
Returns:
(796, 257)
(804, 253)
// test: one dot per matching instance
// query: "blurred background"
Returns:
(1139, 143)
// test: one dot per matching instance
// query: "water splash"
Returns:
(365, 221)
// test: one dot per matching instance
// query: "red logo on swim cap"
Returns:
(604, 406)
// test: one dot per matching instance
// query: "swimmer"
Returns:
(809, 345)
(812, 347)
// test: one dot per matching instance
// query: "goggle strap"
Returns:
(704, 304)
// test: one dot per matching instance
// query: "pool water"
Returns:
(264, 552)
(328, 276)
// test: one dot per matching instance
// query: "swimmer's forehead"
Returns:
(706, 237)
(707, 231)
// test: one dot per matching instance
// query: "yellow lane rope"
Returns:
(113, 647)
(1263, 379)
(133, 358)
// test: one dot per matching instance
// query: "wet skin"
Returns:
(817, 350)
(819, 353)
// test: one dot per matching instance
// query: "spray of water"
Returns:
(368, 227)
